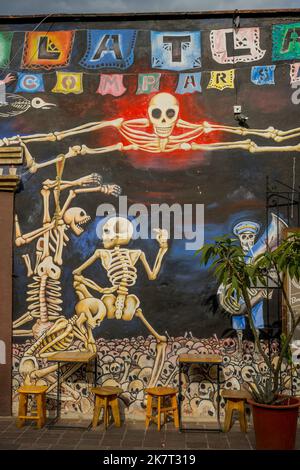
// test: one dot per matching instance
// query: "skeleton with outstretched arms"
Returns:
(163, 119)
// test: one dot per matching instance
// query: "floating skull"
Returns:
(116, 231)
(163, 113)
(75, 217)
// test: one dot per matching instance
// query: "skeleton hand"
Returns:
(162, 237)
(9, 78)
(112, 189)
(93, 179)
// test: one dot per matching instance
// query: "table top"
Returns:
(71, 356)
(200, 358)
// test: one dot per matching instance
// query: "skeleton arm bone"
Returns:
(162, 236)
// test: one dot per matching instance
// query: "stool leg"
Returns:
(148, 410)
(106, 413)
(40, 413)
(158, 413)
(23, 399)
(242, 416)
(116, 412)
(97, 410)
(175, 411)
(43, 399)
(228, 416)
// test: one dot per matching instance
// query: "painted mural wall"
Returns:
(140, 113)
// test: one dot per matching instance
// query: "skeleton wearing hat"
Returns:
(247, 231)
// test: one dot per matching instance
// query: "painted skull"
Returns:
(116, 231)
(163, 113)
(75, 217)
(247, 240)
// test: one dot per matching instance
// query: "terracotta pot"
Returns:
(275, 426)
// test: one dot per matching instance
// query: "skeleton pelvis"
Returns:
(121, 306)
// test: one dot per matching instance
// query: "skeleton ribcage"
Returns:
(121, 272)
(53, 342)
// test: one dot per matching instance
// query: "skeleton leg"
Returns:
(160, 350)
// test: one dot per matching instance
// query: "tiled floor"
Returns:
(129, 436)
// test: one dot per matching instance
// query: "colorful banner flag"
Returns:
(242, 45)
(286, 41)
(68, 82)
(30, 82)
(263, 74)
(111, 85)
(109, 49)
(5, 47)
(295, 72)
(189, 83)
(148, 83)
(47, 50)
(176, 50)
(221, 79)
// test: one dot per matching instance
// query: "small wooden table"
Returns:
(80, 357)
(189, 359)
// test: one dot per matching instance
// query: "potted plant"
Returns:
(274, 414)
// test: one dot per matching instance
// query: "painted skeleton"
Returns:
(44, 293)
(163, 119)
(119, 263)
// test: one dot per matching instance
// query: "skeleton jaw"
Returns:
(77, 227)
(163, 132)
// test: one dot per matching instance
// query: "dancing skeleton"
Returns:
(44, 294)
(163, 119)
(119, 263)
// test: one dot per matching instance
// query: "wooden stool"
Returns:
(235, 400)
(106, 397)
(39, 392)
(161, 393)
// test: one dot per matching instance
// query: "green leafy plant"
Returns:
(240, 274)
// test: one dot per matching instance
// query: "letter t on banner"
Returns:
(111, 85)
(176, 50)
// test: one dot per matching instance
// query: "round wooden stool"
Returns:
(39, 392)
(106, 397)
(235, 400)
(161, 394)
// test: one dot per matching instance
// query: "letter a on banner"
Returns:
(47, 50)
(221, 79)
(176, 50)
(148, 83)
(5, 47)
(189, 83)
(109, 49)
(295, 73)
(286, 41)
(30, 83)
(229, 46)
(111, 85)
(67, 82)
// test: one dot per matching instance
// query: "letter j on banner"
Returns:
(30, 82)
(67, 82)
